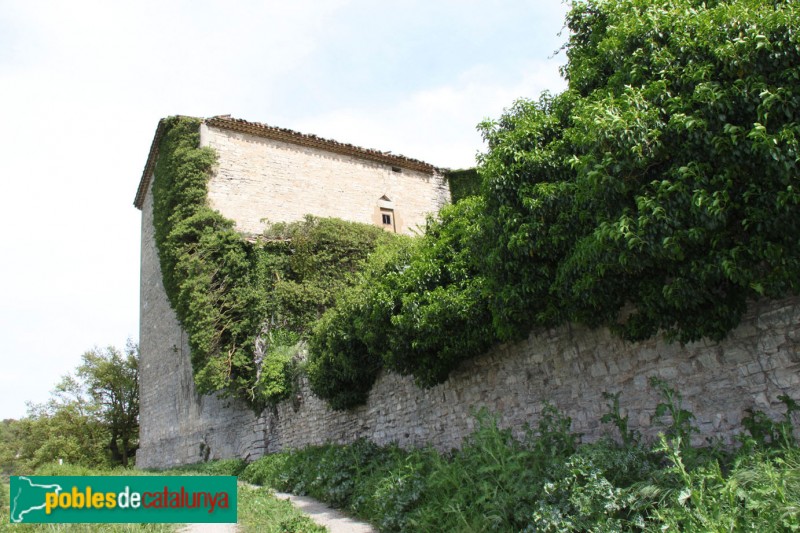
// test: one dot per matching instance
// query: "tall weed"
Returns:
(547, 481)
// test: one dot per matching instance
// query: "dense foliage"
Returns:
(418, 308)
(342, 366)
(64, 428)
(243, 304)
(664, 180)
(659, 192)
(463, 183)
(546, 481)
(207, 268)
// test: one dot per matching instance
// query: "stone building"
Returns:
(281, 175)
(262, 173)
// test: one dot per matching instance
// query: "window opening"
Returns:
(387, 218)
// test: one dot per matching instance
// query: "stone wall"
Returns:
(177, 425)
(570, 367)
(259, 178)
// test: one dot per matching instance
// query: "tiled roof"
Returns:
(285, 135)
(303, 139)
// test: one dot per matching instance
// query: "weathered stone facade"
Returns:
(260, 177)
(570, 367)
(177, 425)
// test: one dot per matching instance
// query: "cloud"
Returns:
(438, 124)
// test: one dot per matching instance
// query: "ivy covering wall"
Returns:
(463, 183)
(244, 305)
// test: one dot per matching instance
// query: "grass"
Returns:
(260, 511)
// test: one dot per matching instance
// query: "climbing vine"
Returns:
(244, 305)
(463, 183)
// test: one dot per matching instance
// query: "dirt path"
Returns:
(208, 528)
(323, 515)
(335, 521)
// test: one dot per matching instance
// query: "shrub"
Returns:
(345, 348)
(266, 470)
(221, 467)
(418, 308)
(546, 481)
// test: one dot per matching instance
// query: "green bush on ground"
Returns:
(544, 480)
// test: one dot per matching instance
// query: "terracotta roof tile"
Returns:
(314, 141)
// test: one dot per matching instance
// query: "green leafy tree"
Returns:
(91, 418)
(65, 428)
(111, 378)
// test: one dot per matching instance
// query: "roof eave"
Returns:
(313, 141)
(149, 166)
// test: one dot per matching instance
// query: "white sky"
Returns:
(84, 83)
